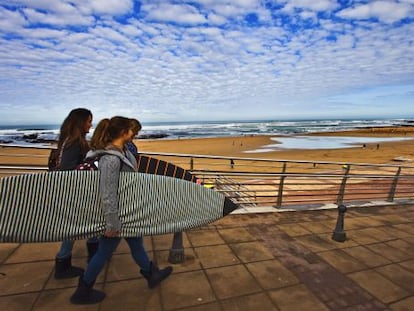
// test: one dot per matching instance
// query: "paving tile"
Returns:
(390, 219)
(24, 278)
(131, 295)
(204, 237)
(403, 305)
(251, 251)
(164, 242)
(353, 224)
(29, 252)
(364, 236)
(58, 299)
(52, 283)
(232, 281)
(191, 261)
(361, 222)
(247, 303)
(214, 306)
(395, 232)
(347, 243)
(367, 256)
(271, 274)
(215, 256)
(318, 227)
(6, 249)
(294, 229)
(370, 280)
(391, 253)
(402, 245)
(409, 265)
(341, 261)
(409, 239)
(122, 267)
(379, 234)
(296, 297)
(372, 305)
(236, 235)
(186, 289)
(123, 247)
(315, 243)
(22, 302)
(396, 218)
(398, 275)
(407, 228)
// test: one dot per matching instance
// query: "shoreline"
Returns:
(236, 146)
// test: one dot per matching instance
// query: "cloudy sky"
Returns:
(206, 59)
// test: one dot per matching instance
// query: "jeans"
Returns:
(106, 247)
(66, 247)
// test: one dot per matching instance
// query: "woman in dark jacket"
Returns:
(72, 148)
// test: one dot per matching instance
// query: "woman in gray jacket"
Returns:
(108, 143)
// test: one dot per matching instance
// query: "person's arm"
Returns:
(70, 157)
(109, 167)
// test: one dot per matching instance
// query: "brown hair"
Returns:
(107, 130)
(73, 129)
(135, 126)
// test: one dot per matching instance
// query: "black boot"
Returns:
(155, 275)
(65, 270)
(92, 247)
(85, 294)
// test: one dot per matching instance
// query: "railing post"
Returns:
(191, 164)
(341, 192)
(339, 234)
(281, 183)
(177, 249)
(391, 194)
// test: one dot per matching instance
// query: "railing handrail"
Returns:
(350, 181)
(201, 156)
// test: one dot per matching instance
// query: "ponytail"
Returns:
(107, 130)
(100, 137)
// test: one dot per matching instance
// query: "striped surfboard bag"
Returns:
(54, 206)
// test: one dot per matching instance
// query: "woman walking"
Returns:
(109, 145)
(72, 148)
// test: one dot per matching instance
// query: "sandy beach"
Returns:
(376, 153)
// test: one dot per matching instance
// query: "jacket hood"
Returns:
(101, 152)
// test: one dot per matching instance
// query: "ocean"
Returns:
(43, 135)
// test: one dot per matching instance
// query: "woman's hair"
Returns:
(135, 126)
(73, 129)
(107, 130)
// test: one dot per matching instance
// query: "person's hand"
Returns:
(111, 233)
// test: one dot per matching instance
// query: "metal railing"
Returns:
(256, 182)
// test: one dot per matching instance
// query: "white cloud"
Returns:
(317, 6)
(183, 14)
(166, 63)
(10, 20)
(385, 11)
(35, 16)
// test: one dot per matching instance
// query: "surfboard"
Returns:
(48, 207)
(156, 166)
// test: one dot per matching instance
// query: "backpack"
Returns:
(90, 164)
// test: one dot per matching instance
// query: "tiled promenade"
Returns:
(272, 261)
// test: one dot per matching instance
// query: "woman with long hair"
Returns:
(109, 145)
(72, 148)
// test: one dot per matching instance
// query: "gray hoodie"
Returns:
(111, 162)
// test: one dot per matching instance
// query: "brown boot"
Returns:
(155, 275)
(65, 270)
(86, 295)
